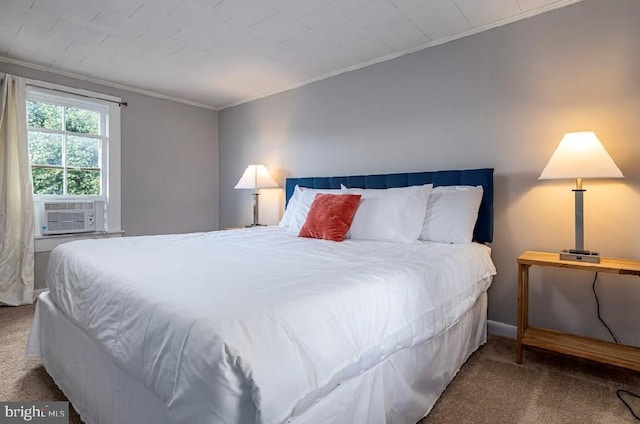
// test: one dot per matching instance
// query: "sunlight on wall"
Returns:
(548, 210)
(271, 205)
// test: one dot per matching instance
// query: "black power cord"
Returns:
(598, 309)
(619, 391)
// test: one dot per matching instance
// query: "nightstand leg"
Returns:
(523, 307)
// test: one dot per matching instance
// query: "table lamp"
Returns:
(256, 177)
(580, 155)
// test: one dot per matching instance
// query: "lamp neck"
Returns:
(256, 208)
(578, 183)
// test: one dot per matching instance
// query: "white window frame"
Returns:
(110, 157)
(45, 96)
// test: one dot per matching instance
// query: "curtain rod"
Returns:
(119, 103)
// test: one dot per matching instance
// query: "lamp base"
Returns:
(255, 225)
(580, 256)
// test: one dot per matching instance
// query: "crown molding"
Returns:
(104, 83)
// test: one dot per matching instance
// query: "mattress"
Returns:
(259, 322)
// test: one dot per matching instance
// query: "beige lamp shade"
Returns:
(580, 155)
(256, 177)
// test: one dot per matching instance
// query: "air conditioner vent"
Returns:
(68, 217)
(60, 206)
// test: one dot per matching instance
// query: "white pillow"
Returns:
(291, 206)
(303, 204)
(452, 213)
(394, 214)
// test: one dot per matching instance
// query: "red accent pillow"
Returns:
(330, 216)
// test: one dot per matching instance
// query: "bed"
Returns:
(261, 326)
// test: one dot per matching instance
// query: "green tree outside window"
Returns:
(61, 154)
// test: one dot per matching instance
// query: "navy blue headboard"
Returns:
(483, 231)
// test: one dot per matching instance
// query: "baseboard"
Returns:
(38, 292)
(502, 329)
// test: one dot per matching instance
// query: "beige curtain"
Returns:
(16, 197)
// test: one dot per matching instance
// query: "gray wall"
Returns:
(503, 99)
(169, 167)
(169, 162)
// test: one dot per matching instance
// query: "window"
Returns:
(74, 148)
(67, 139)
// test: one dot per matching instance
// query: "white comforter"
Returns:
(259, 323)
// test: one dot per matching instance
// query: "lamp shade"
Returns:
(580, 155)
(256, 177)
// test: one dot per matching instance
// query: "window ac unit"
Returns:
(69, 217)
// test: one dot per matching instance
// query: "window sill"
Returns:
(48, 243)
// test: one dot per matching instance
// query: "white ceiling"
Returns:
(218, 53)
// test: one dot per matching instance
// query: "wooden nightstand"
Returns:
(583, 347)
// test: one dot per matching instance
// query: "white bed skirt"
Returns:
(402, 389)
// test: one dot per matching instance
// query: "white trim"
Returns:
(501, 329)
(104, 82)
(63, 132)
(113, 164)
(38, 292)
(48, 243)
